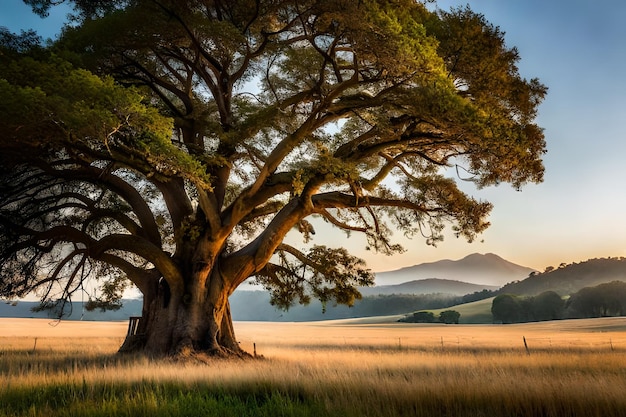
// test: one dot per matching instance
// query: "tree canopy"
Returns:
(177, 143)
(604, 300)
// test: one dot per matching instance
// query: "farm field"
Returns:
(358, 367)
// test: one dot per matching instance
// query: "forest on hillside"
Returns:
(567, 279)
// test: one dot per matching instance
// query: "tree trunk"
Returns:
(183, 324)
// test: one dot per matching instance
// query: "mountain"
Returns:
(427, 286)
(488, 269)
(568, 279)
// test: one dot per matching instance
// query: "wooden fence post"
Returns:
(526, 345)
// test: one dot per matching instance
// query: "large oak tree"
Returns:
(213, 129)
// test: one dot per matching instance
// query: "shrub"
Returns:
(449, 317)
(420, 317)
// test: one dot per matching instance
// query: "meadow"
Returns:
(338, 368)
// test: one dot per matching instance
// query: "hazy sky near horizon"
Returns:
(578, 49)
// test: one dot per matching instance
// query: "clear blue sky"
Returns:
(578, 49)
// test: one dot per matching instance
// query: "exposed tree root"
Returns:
(185, 352)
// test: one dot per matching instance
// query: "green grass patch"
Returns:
(171, 399)
(154, 399)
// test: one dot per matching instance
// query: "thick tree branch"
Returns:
(122, 188)
(340, 200)
(145, 249)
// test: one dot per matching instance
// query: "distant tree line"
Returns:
(254, 305)
(604, 300)
(477, 296)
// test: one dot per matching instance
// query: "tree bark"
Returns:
(182, 324)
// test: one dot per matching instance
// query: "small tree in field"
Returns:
(176, 144)
(449, 317)
(547, 306)
(420, 317)
(509, 308)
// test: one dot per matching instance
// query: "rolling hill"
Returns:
(477, 312)
(567, 279)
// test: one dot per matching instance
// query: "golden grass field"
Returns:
(345, 367)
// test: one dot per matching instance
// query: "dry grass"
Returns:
(343, 368)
